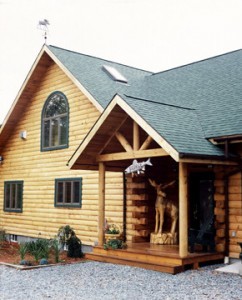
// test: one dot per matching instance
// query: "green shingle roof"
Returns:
(178, 126)
(185, 105)
(212, 87)
(88, 71)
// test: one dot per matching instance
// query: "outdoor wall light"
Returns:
(1, 159)
(23, 135)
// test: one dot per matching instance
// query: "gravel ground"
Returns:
(94, 280)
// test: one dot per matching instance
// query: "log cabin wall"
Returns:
(219, 208)
(23, 160)
(138, 209)
(234, 211)
(235, 215)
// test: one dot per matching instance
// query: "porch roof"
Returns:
(157, 126)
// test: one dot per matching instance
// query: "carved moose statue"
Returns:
(163, 204)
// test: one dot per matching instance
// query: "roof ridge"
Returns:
(99, 58)
(161, 103)
(196, 62)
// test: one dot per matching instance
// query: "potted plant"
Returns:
(112, 231)
(114, 244)
(70, 242)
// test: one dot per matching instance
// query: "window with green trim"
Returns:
(55, 122)
(13, 196)
(68, 192)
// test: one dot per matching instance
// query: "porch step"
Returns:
(161, 267)
(140, 255)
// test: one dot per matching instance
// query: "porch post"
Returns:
(183, 211)
(101, 204)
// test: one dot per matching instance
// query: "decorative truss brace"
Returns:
(136, 151)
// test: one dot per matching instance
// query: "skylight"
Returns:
(114, 74)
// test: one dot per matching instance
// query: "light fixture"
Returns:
(23, 135)
(1, 159)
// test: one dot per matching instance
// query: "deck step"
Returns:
(139, 255)
(162, 267)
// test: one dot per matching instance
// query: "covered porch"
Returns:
(119, 137)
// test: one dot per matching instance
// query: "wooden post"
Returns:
(183, 211)
(101, 205)
(136, 143)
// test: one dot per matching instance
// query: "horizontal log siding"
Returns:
(23, 160)
(138, 228)
(219, 209)
(235, 215)
(235, 210)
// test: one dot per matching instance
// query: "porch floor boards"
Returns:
(163, 258)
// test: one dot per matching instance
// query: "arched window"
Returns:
(55, 121)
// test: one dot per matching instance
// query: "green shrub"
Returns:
(55, 246)
(2, 236)
(38, 249)
(23, 249)
(114, 244)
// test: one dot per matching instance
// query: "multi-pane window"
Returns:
(55, 122)
(68, 192)
(13, 196)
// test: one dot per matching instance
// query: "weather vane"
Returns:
(43, 25)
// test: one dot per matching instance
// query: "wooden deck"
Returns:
(163, 258)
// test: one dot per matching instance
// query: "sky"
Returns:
(154, 35)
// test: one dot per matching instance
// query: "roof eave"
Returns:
(207, 159)
(233, 138)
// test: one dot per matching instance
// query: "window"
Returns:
(55, 121)
(13, 196)
(68, 192)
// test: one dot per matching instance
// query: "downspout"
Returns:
(124, 207)
(226, 207)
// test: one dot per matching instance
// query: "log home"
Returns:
(79, 121)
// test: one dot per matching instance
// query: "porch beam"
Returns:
(131, 155)
(183, 211)
(101, 204)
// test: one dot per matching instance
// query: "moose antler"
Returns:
(162, 186)
(168, 184)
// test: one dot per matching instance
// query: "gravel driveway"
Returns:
(94, 280)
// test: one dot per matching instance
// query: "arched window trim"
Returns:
(43, 119)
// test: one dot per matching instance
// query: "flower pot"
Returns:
(112, 236)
